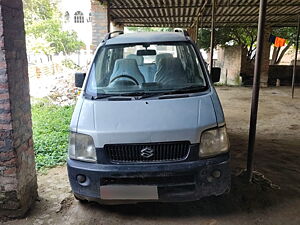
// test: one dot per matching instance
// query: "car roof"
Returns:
(147, 37)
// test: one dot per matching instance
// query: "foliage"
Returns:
(43, 21)
(288, 33)
(150, 29)
(246, 37)
(70, 64)
(50, 133)
(39, 46)
(230, 36)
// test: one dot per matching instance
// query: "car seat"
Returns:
(127, 67)
(170, 71)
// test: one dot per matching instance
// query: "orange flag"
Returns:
(279, 42)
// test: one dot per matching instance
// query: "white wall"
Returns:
(84, 30)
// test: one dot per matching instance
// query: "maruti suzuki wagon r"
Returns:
(148, 125)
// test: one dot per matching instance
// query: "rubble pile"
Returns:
(59, 89)
(64, 92)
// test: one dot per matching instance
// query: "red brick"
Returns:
(6, 126)
(2, 144)
(5, 116)
(7, 155)
(4, 96)
(5, 106)
(10, 162)
(3, 86)
(10, 171)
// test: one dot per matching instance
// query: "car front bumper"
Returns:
(176, 182)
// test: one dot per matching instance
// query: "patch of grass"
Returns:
(50, 133)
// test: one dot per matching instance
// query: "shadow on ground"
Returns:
(243, 197)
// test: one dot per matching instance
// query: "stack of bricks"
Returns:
(18, 185)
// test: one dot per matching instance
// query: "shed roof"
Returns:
(183, 13)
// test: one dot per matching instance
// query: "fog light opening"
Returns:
(81, 178)
(216, 173)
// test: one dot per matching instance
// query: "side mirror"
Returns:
(79, 79)
(216, 74)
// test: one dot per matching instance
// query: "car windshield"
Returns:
(145, 68)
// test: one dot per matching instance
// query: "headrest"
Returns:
(171, 64)
(170, 71)
(127, 67)
(139, 59)
(162, 56)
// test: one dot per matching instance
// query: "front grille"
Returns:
(139, 153)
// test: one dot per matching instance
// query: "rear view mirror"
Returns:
(79, 79)
(145, 52)
(216, 74)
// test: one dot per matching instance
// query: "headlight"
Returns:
(214, 142)
(81, 147)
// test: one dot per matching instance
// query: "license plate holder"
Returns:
(129, 192)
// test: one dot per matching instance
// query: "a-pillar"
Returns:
(100, 22)
(18, 185)
(266, 58)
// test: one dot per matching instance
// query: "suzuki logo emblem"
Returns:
(147, 152)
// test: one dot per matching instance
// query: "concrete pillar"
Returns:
(266, 58)
(18, 184)
(230, 61)
(99, 22)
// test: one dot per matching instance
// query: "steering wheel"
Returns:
(125, 76)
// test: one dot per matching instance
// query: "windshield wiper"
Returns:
(102, 96)
(189, 89)
(143, 95)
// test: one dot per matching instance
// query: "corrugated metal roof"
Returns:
(184, 13)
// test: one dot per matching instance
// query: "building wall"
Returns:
(18, 185)
(83, 30)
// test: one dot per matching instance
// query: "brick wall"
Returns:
(18, 186)
(99, 22)
(266, 58)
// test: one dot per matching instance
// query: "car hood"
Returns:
(146, 121)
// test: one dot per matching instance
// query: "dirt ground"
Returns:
(277, 157)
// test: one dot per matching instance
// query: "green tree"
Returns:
(246, 37)
(230, 36)
(43, 21)
(289, 33)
